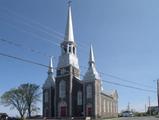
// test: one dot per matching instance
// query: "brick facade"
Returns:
(97, 106)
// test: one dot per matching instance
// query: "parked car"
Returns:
(127, 114)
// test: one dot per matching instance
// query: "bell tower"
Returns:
(49, 93)
(68, 55)
(67, 70)
(92, 89)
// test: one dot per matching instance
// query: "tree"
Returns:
(23, 98)
(32, 96)
(15, 98)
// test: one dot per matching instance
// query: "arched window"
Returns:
(69, 49)
(62, 89)
(64, 49)
(79, 98)
(108, 106)
(46, 97)
(104, 106)
(89, 91)
(73, 50)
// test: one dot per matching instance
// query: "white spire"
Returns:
(69, 36)
(91, 56)
(68, 47)
(50, 70)
(50, 81)
(91, 73)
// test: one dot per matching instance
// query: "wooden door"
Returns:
(63, 111)
(89, 111)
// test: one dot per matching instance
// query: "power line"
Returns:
(59, 37)
(33, 34)
(31, 22)
(24, 60)
(125, 80)
(119, 78)
(106, 74)
(128, 86)
(41, 27)
(21, 59)
(36, 63)
(38, 36)
(22, 46)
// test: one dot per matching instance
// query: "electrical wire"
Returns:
(31, 23)
(58, 35)
(128, 86)
(24, 60)
(121, 79)
(33, 34)
(114, 83)
(43, 28)
(22, 46)
(45, 54)
(105, 74)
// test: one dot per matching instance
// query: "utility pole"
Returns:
(128, 106)
(145, 108)
(158, 94)
(149, 105)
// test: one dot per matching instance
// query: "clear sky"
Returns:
(124, 34)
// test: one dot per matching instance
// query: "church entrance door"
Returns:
(63, 111)
(89, 111)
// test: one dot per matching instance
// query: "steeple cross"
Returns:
(69, 2)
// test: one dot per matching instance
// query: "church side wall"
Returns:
(108, 107)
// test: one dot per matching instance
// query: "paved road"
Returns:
(135, 118)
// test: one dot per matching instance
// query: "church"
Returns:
(66, 95)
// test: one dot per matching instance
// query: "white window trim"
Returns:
(104, 106)
(89, 91)
(62, 89)
(46, 96)
(79, 98)
(108, 106)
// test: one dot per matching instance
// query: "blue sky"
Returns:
(124, 35)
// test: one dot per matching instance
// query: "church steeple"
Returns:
(69, 36)
(91, 56)
(68, 55)
(50, 81)
(91, 73)
(50, 69)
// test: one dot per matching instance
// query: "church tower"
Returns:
(48, 93)
(92, 89)
(67, 71)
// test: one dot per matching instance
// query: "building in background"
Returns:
(66, 95)
(152, 110)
